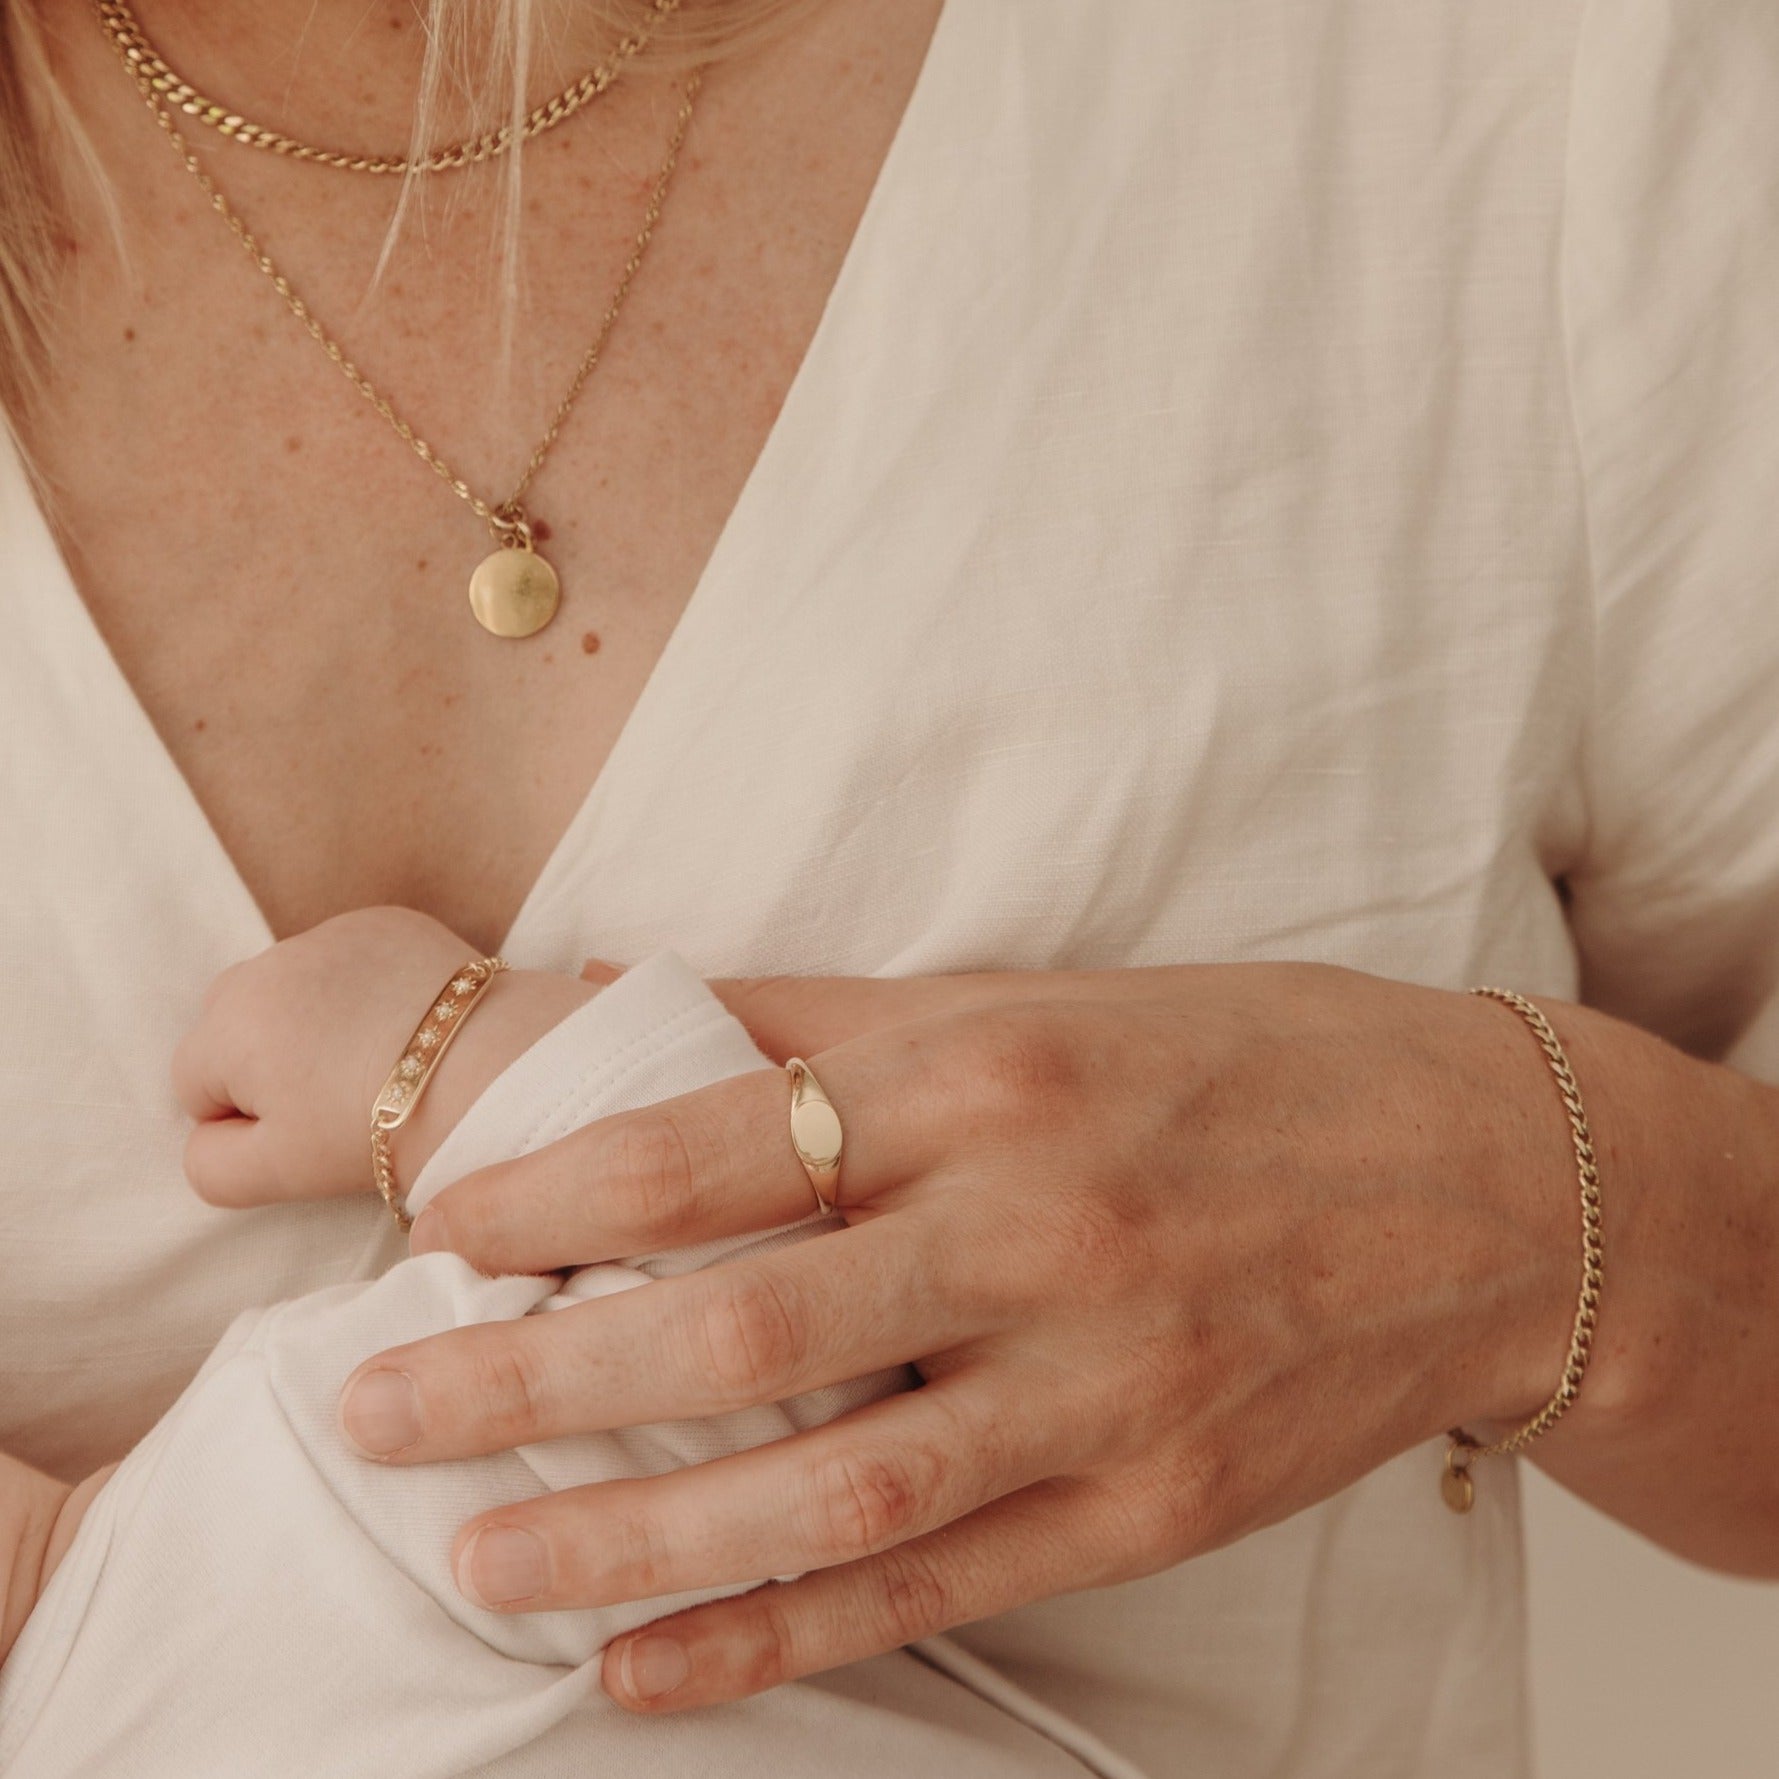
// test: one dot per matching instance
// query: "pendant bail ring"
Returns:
(511, 527)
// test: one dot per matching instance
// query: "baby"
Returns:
(245, 1593)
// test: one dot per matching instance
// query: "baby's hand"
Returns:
(38, 1519)
(293, 1045)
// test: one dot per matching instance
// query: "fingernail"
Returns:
(428, 1234)
(380, 1413)
(651, 1667)
(503, 1565)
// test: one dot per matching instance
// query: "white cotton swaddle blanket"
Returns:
(247, 1594)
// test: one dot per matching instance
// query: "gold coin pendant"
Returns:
(1459, 1490)
(514, 593)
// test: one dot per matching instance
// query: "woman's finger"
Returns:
(732, 1336)
(885, 1473)
(717, 1162)
(1013, 1551)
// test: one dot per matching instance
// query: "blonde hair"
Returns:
(26, 210)
(33, 113)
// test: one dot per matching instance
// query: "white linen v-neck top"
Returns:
(1273, 480)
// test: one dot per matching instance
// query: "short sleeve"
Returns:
(1670, 279)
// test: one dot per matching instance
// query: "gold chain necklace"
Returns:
(161, 85)
(514, 591)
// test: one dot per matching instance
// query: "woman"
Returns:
(1164, 500)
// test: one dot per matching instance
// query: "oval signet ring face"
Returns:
(815, 1132)
(815, 1129)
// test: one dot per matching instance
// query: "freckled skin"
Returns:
(217, 467)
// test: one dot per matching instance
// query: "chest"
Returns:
(1082, 608)
(282, 581)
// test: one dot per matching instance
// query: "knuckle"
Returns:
(751, 1336)
(472, 1217)
(1174, 1510)
(770, 1658)
(864, 1502)
(510, 1388)
(639, 1558)
(916, 1599)
(227, 983)
(1100, 1231)
(656, 1160)
(1182, 1357)
(1025, 1065)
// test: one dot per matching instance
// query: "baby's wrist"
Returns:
(517, 1008)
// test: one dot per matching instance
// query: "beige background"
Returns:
(1644, 1667)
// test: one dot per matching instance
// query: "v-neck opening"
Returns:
(800, 393)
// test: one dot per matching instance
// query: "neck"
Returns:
(348, 72)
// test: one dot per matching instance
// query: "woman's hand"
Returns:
(1178, 1253)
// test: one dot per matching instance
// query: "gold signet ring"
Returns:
(815, 1133)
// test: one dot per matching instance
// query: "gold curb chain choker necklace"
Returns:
(161, 83)
(513, 592)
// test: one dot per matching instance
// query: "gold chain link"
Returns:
(506, 520)
(1463, 1451)
(161, 84)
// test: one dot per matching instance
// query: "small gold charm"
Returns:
(1457, 1485)
(514, 593)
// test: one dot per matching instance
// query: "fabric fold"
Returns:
(246, 1580)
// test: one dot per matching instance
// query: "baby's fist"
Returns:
(291, 1048)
